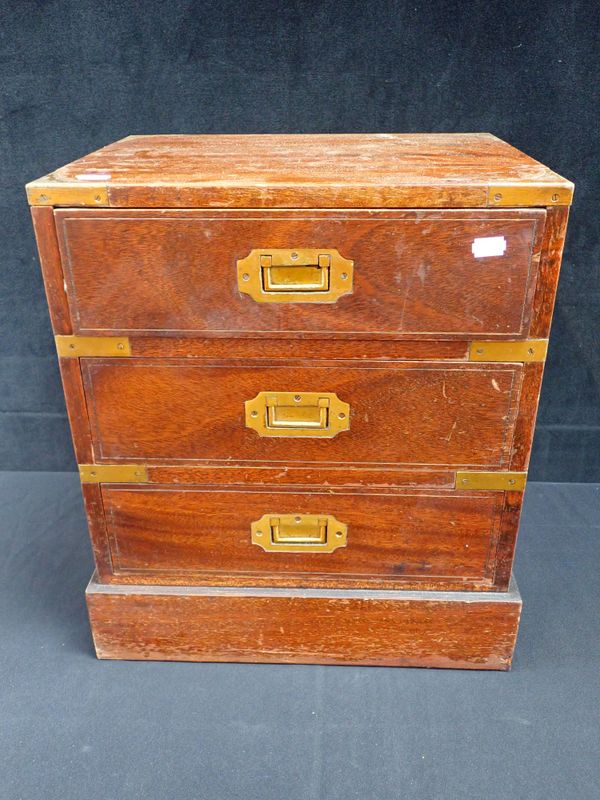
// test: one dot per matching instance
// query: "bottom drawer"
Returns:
(326, 537)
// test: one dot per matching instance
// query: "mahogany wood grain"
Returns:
(52, 272)
(290, 196)
(414, 271)
(286, 476)
(315, 170)
(555, 232)
(70, 372)
(194, 534)
(461, 630)
(281, 348)
(525, 423)
(401, 413)
(507, 540)
(94, 509)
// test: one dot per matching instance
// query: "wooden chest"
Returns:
(302, 374)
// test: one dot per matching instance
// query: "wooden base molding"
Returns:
(464, 630)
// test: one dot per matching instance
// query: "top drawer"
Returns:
(414, 273)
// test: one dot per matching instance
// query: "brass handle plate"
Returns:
(299, 533)
(296, 275)
(300, 414)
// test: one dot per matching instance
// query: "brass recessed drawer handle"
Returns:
(300, 275)
(305, 414)
(299, 533)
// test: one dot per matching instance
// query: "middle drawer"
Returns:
(356, 412)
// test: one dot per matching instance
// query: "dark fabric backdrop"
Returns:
(77, 75)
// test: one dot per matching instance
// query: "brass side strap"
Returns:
(528, 195)
(98, 346)
(113, 473)
(138, 473)
(47, 192)
(525, 350)
(492, 481)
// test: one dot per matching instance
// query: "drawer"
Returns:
(414, 273)
(193, 534)
(352, 412)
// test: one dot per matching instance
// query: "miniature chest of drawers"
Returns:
(302, 374)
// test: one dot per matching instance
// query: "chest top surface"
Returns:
(458, 170)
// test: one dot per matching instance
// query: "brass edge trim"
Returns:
(47, 192)
(99, 346)
(525, 350)
(491, 481)
(465, 480)
(541, 194)
(113, 473)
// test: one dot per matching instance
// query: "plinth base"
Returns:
(461, 630)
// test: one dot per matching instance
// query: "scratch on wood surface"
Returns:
(452, 429)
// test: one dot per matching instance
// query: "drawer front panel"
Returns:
(414, 273)
(402, 413)
(407, 535)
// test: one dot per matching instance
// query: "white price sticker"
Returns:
(488, 246)
(93, 176)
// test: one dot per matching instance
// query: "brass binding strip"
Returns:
(99, 346)
(113, 473)
(527, 195)
(47, 192)
(491, 481)
(524, 350)
(466, 480)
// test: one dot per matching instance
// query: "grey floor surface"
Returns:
(74, 727)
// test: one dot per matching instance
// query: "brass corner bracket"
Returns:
(533, 194)
(49, 192)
